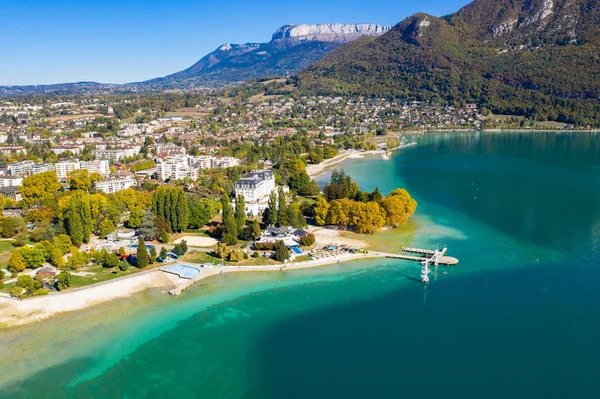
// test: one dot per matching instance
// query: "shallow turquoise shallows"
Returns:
(518, 318)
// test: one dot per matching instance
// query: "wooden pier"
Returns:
(435, 257)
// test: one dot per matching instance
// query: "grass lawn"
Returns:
(103, 274)
(203, 257)
(6, 247)
(200, 257)
(302, 258)
(7, 288)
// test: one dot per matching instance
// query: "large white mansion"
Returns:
(256, 188)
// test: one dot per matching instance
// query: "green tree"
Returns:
(321, 210)
(17, 291)
(171, 204)
(106, 227)
(34, 256)
(271, 216)
(399, 206)
(57, 259)
(16, 263)
(152, 254)
(64, 280)
(230, 231)
(295, 217)
(26, 282)
(227, 211)
(256, 231)
(221, 250)
(111, 261)
(163, 253)
(282, 216)
(376, 196)
(281, 252)
(63, 242)
(142, 254)
(165, 237)
(80, 179)
(78, 219)
(200, 210)
(40, 190)
(147, 228)
(240, 213)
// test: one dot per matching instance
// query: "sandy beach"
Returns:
(195, 241)
(315, 170)
(326, 236)
(14, 312)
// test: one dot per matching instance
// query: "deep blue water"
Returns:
(519, 318)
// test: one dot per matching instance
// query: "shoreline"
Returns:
(19, 312)
(317, 169)
(501, 130)
(15, 313)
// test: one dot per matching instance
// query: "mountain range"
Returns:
(292, 48)
(538, 58)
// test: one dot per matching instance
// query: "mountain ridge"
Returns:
(292, 47)
(539, 66)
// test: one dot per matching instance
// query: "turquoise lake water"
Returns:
(518, 318)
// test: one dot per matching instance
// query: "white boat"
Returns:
(425, 272)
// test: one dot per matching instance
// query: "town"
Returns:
(89, 183)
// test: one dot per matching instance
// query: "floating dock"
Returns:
(435, 257)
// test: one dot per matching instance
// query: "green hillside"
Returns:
(512, 57)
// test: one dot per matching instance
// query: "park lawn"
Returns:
(204, 257)
(6, 247)
(101, 274)
(201, 257)
(7, 288)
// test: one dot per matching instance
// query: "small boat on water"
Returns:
(425, 272)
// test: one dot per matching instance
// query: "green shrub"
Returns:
(123, 265)
(307, 240)
(40, 292)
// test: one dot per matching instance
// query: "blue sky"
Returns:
(114, 41)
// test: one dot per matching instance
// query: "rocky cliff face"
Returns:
(338, 33)
(292, 48)
(530, 23)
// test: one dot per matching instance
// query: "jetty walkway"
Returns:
(435, 257)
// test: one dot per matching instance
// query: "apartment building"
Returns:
(64, 168)
(20, 168)
(116, 154)
(111, 186)
(176, 168)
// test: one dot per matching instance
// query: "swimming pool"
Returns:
(182, 271)
(296, 250)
